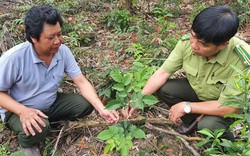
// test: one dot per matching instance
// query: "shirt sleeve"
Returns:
(8, 74)
(71, 67)
(175, 59)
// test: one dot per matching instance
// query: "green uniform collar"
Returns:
(220, 58)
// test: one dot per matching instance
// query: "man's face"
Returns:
(201, 48)
(50, 40)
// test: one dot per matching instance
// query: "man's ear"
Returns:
(34, 40)
(223, 45)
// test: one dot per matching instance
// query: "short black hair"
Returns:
(215, 24)
(37, 16)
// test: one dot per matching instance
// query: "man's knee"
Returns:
(28, 141)
(212, 123)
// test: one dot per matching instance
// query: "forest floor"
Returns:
(78, 138)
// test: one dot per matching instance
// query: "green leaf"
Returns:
(220, 134)
(226, 143)
(246, 151)
(206, 132)
(116, 75)
(122, 94)
(137, 64)
(237, 116)
(105, 135)
(138, 104)
(132, 128)
(113, 104)
(135, 97)
(235, 124)
(149, 100)
(125, 151)
(18, 153)
(127, 79)
(119, 87)
(138, 133)
(114, 129)
(128, 142)
(109, 147)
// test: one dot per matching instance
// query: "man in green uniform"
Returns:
(205, 55)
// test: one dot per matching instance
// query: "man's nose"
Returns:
(57, 40)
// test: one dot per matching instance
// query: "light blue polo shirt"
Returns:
(29, 81)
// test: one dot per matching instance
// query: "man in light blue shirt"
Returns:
(30, 76)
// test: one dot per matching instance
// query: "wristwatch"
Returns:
(187, 108)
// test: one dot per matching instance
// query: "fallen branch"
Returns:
(172, 132)
(140, 119)
(183, 138)
(57, 141)
(195, 153)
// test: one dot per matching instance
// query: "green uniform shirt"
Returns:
(208, 78)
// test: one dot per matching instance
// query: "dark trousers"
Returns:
(178, 90)
(66, 107)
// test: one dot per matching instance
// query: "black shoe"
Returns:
(182, 129)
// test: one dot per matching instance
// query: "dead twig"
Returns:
(183, 138)
(140, 119)
(195, 153)
(172, 132)
(57, 141)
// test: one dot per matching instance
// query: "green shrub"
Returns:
(119, 20)
(120, 136)
(242, 144)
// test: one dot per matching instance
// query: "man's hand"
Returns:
(30, 119)
(111, 116)
(176, 112)
(128, 111)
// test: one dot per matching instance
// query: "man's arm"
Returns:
(157, 80)
(28, 117)
(207, 107)
(89, 92)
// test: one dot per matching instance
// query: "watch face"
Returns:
(187, 109)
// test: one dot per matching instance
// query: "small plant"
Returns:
(118, 20)
(128, 86)
(120, 136)
(242, 145)
(137, 51)
(4, 149)
(214, 139)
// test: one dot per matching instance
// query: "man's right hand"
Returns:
(128, 111)
(30, 119)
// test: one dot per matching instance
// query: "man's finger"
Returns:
(41, 114)
(30, 129)
(40, 121)
(25, 130)
(35, 125)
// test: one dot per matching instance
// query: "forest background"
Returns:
(105, 35)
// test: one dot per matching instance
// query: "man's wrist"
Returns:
(187, 107)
